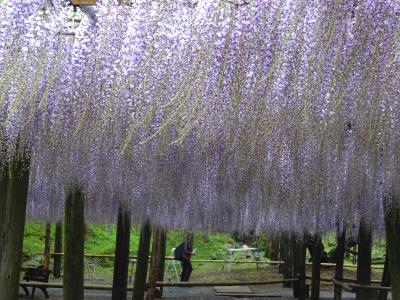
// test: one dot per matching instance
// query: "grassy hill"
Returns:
(100, 239)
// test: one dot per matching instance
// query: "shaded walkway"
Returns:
(200, 293)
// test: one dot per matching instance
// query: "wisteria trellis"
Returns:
(207, 114)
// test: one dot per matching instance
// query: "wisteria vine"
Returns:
(212, 114)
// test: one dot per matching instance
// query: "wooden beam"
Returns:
(89, 2)
(342, 285)
(369, 287)
(84, 2)
(216, 283)
(160, 284)
(60, 286)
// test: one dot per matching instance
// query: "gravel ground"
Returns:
(197, 293)
(207, 293)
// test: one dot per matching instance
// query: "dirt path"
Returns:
(196, 293)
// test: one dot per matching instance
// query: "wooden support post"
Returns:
(274, 245)
(121, 261)
(161, 258)
(14, 179)
(74, 243)
(155, 253)
(57, 249)
(364, 261)
(340, 249)
(286, 257)
(385, 278)
(142, 262)
(47, 243)
(316, 267)
(298, 251)
(392, 225)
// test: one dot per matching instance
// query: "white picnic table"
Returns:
(244, 253)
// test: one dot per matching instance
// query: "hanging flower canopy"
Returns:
(210, 114)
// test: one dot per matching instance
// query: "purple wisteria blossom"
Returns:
(268, 115)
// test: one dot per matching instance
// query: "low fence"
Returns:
(378, 267)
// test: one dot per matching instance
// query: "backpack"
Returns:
(179, 251)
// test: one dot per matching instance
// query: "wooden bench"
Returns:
(38, 275)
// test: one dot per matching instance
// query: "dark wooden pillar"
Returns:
(316, 267)
(392, 225)
(298, 250)
(340, 250)
(73, 245)
(121, 262)
(385, 278)
(161, 257)
(364, 260)
(155, 259)
(57, 249)
(274, 248)
(47, 243)
(14, 179)
(142, 262)
(285, 255)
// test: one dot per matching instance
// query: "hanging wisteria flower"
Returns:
(237, 115)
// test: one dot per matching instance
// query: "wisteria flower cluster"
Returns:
(212, 114)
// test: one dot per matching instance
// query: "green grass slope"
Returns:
(100, 239)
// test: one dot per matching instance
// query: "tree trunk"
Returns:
(142, 262)
(316, 267)
(47, 243)
(57, 249)
(385, 278)
(298, 250)
(364, 261)
(392, 222)
(340, 249)
(14, 180)
(121, 262)
(73, 247)
(155, 253)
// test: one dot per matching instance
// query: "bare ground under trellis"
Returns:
(210, 275)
